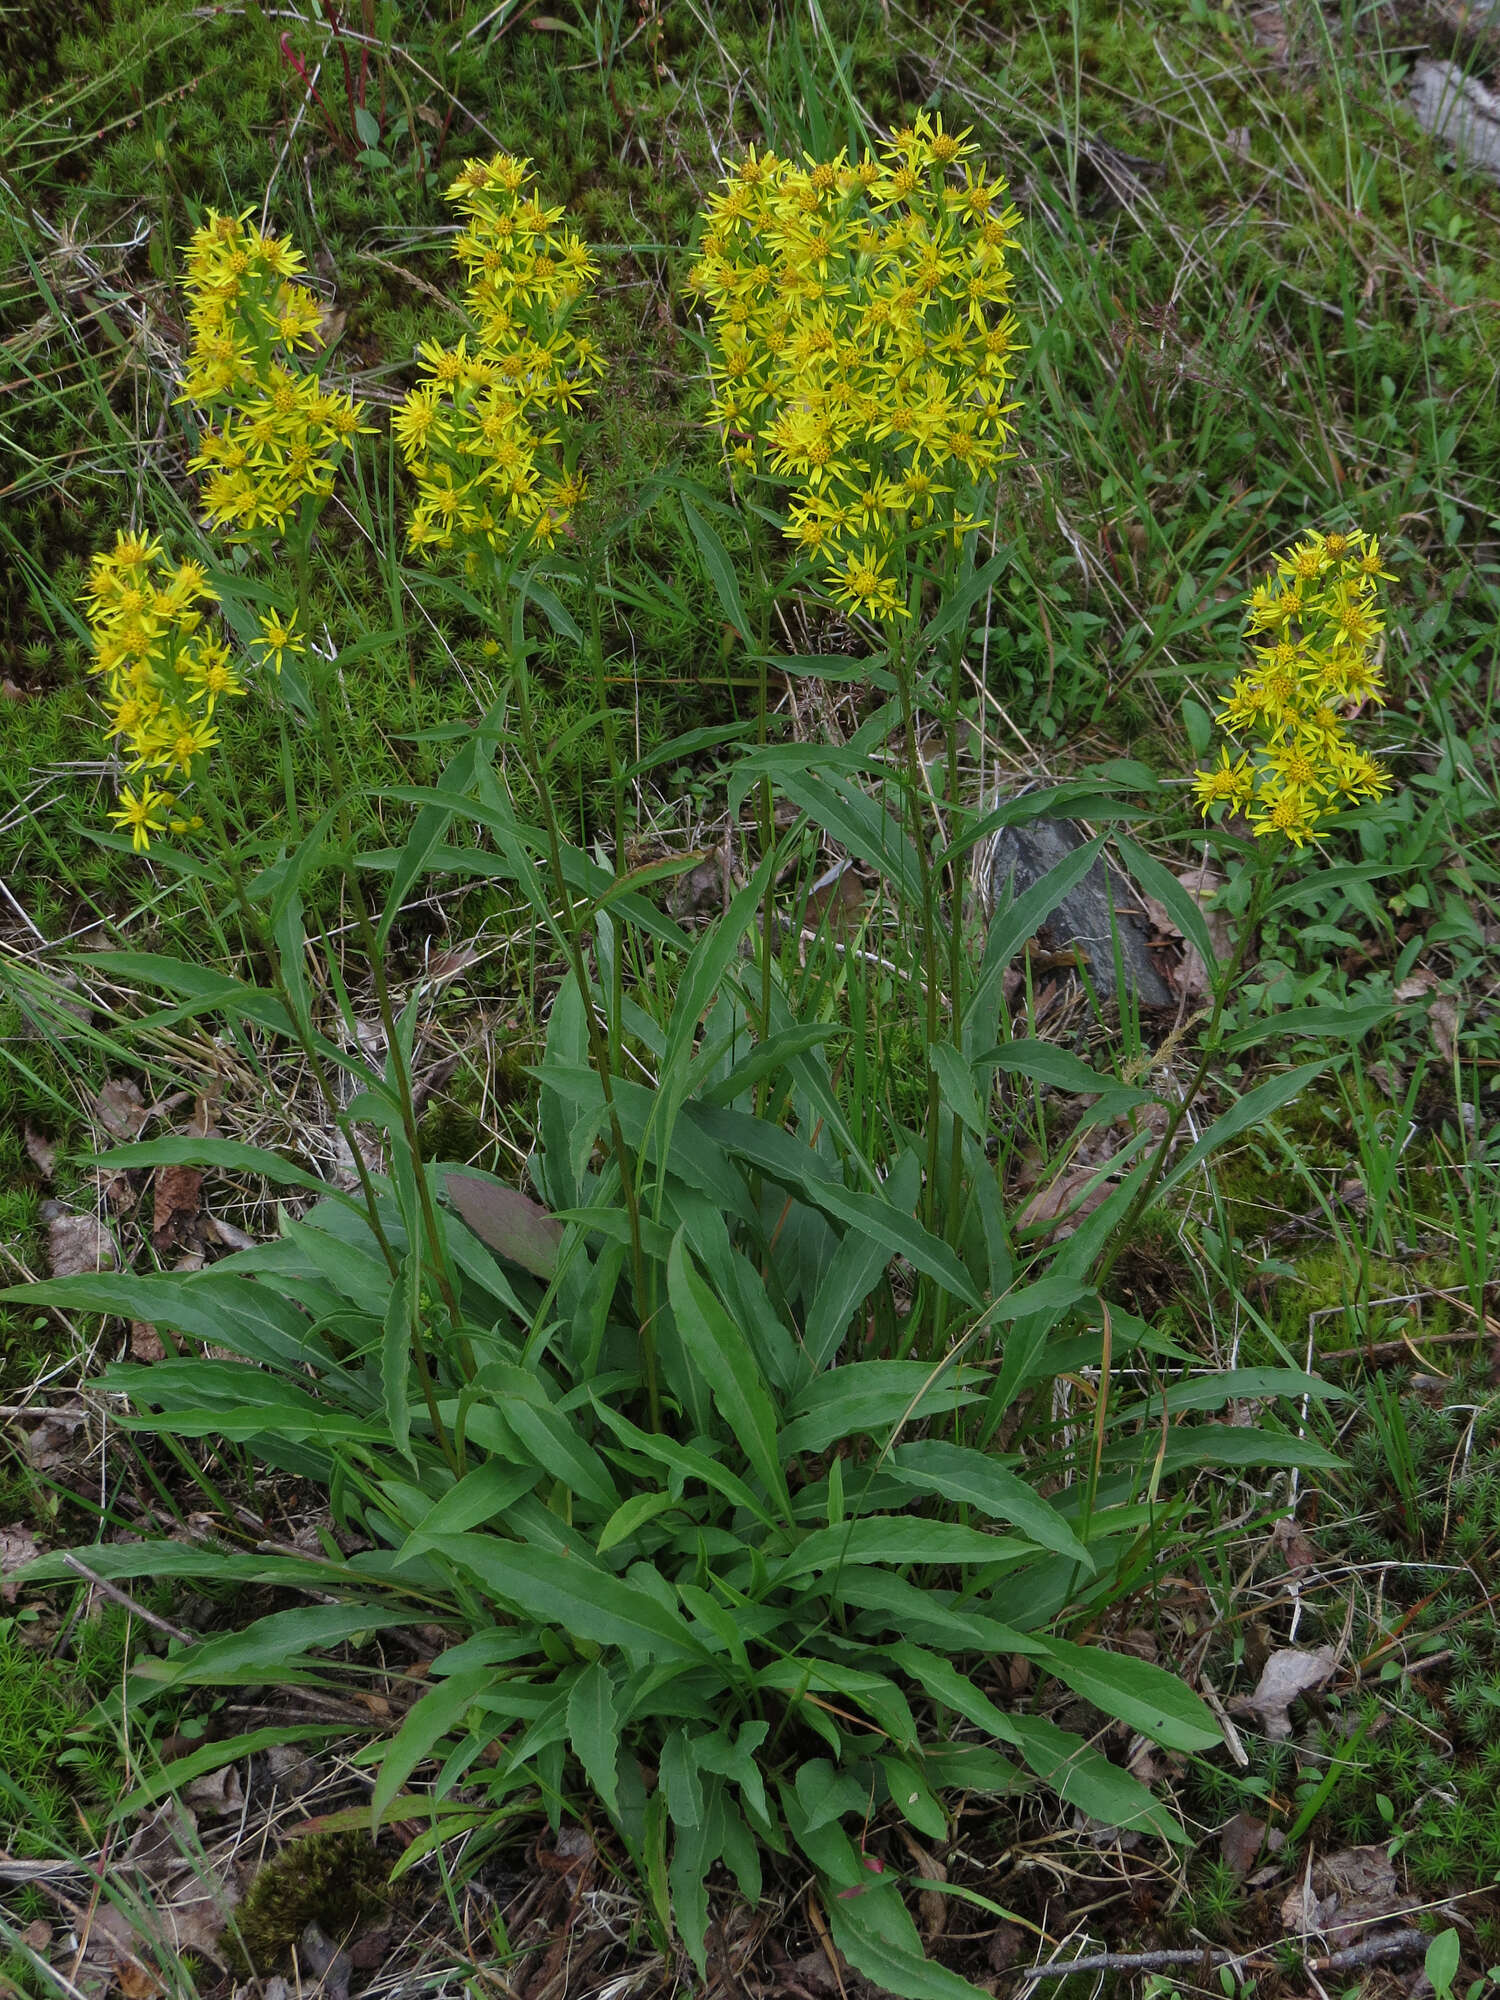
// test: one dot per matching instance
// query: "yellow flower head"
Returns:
(862, 350)
(476, 432)
(1319, 611)
(274, 436)
(163, 669)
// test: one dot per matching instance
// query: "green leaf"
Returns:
(225, 1156)
(956, 1085)
(711, 958)
(876, 1694)
(679, 1777)
(1046, 1064)
(436, 1714)
(946, 1685)
(1328, 1024)
(594, 1732)
(972, 1767)
(568, 1591)
(720, 569)
(789, 1160)
(1252, 1110)
(1086, 1779)
(953, 613)
(630, 1515)
(1442, 1961)
(401, 1328)
(1212, 1392)
(929, 1616)
(1232, 1445)
(687, 1462)
(722, 1357)
(215, 1755)
(695, 1848)
(1136, 1693)
(888, 1966)
(855, 1270)
(1184, 909)
(270, 1648)
(913, 1799)
(975, 1479)
(898, 1539)
(1009, 929)
(481, 1496)
(870, 1397)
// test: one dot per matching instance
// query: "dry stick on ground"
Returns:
(1372, 1951)
(119, 1596)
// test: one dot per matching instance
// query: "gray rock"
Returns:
(1016, 857)
(1460, 112)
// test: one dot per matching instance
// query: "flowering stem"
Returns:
(598, 1041)
(1264, 881)
(617, 801)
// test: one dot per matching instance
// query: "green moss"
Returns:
(339, 1881)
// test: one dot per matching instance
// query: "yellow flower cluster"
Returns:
(276, 434)
(164, 671)
(863, 345)
(478, 431)
(1317, 622)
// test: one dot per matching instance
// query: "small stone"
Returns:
(1085, 922)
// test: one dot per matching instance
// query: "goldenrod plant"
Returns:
(644, 1443)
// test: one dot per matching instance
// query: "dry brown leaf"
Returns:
(1288, 1673)
(1442, 1020)
(78, 1246)
(191, 1907)
(50, 1445)
(932, 1906)
(705, 889)
(1300, 1553)
(119, 1108)
(449, 964)
(229, 1236)
(135, 1979)
(176, 1197)
(37, 1934)
(1345, 1894)
(1063, 1203)
(42, 1152)
(17, 1548)
(1240, 1843)
(1268, 26)
(145, 1342)
(1416, 985)
(215, 1792)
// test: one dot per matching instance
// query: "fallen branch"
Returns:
(1371, 1951)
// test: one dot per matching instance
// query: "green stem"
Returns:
(598, 1040)
(617, 804)
(336, 753)
(1125, 1233)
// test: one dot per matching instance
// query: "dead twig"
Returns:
(1371, 1951)
(118, 1596)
